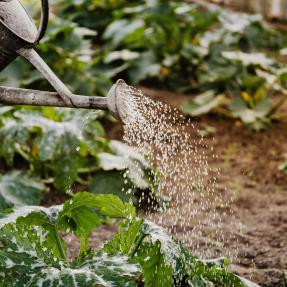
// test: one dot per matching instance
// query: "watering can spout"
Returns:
(116, 101)
(19, 36)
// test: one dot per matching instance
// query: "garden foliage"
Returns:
(89, 44)
(183, 47)
(33, 253)
(223, 57)
(54, 149)
(171, 44)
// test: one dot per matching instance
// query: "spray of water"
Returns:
(177, 156)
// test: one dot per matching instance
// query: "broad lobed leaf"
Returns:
(31, 249)
(18, 188)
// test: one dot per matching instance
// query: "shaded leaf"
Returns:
(13, 136)
(112, 182)
(20, 188)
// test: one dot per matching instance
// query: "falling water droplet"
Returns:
(178, 158)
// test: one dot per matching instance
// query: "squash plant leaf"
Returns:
(202, 104)
(112, 182)
(166, 262)
(155, 269)
(255, 117)
(125, 240)
(32, 252)
(126, 158)
(19, 188)
(78, 214)
(62, 145)
(13, 136)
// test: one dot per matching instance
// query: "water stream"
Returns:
(178, 158)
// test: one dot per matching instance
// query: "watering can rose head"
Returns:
(118, 100)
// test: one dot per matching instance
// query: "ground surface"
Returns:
(249, 168)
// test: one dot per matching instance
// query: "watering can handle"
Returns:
(44, 20)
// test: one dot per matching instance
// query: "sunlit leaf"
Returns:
(202, 104)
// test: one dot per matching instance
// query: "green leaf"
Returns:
(79, 217)
(20, 188)
(145, 67)
(108, 205)
(28, 240)
(65, 164)
(59, 145)
(247, 59)
(98, 270)
(118, 30)
(156, 271)
(31, 252)
(172, 251)
(112, 182)
(125, 240)
(202, 104)
(13, 136)
(125, 55)
(126, 158)
(248, 116)
(166, 262)
(112, 206)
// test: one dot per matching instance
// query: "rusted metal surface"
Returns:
(14, 96)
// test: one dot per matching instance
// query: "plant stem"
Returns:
(22, 153)
(82, 181)
(137, 245)
(87, 169)
(278, 105)
(60, 246)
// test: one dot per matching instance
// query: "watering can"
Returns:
(19, 36)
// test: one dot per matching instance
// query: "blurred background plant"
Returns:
(229, 63)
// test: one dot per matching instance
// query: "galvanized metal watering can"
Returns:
(19, 36)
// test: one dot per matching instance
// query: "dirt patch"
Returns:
(249, 169)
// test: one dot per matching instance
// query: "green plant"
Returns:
(58, 148)
(257, 78)
(184, 47)
(32, 252)
(67, 48)
(283, 166)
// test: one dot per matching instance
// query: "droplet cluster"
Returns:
(180, 171)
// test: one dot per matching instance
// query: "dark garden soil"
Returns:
(249, 164)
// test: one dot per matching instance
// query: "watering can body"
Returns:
(17, 30)
(19, 36)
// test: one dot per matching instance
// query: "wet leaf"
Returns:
(112, 182)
